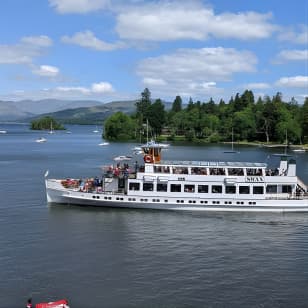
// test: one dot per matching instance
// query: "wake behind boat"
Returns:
(187, 185)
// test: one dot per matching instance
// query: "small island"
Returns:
(46, 123)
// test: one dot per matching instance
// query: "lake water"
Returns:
(138, 258)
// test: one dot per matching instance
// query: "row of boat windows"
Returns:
(215, 189)
(209, 171)
(177, 201)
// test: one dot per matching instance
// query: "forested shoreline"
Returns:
(265, 120)
(46, 123)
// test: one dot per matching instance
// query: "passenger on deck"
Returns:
(29, 303)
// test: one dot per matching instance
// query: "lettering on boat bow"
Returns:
(255, 179)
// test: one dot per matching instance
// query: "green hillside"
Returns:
(90, 115)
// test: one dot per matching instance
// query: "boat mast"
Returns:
(232, 139)
(285, 148)
(147, 130)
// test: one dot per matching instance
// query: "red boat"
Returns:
(58, 304)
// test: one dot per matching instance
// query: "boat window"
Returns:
(254, 171)
(216, 189)
(230, 189)
(156, 151)
(166, 169)
(203, 189)
(189, 188)
(270, 189)
(180, 170)
(258, 190)
(198, 170)
(244, 190)
(161, 169)
(134, 186)
(161, 187)
(175, 187)
(148, 186)
(236, 171)
(286, 188)
(158, 169)
(217, 171)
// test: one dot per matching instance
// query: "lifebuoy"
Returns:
(148, 159)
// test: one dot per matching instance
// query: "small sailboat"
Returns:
(122, 157)
(301, 150)
(232, 151)
(41, 140)
(96, 130)
(51, 131)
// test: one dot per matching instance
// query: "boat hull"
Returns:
(58, 195)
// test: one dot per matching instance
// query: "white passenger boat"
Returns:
(189, 185)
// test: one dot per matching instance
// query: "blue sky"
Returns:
(111, 50)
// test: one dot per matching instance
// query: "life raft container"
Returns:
(148, 159)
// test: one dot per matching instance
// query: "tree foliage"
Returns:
(265, 119)
(119, 126)
(46, 123)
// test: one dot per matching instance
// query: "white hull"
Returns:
(57, 194)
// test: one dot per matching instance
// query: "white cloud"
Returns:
(87, 39)
(96, 88)
(293, 82)
(164, 21)
(71, 90)
(78, 6)
(47, 71)
(154, 81)
(102, 87)
(293, 55)
(40, 41)
(25, 51)
(290, 35)
(194, 70)
(257, 85)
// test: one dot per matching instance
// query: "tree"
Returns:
(177, 104)
(119, 126)
(244, 124)
(46, 123)
(157, 116)
(143, 105)
(304, 121)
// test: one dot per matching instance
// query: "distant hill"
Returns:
(89, 115)
(65, 111)
(10, 112)
(19, 110)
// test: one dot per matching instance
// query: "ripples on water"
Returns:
(137, 258)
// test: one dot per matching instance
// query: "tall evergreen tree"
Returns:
(157, 116)
(143, 105)
(177, 104)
